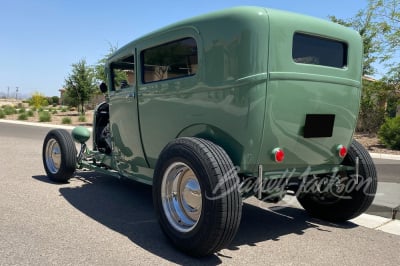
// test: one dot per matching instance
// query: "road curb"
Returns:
(378, 223)
(385, 156)
(384, 211)
(37, 124)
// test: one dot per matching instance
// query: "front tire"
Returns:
(356, 196)
(59, 155)
(196, 197)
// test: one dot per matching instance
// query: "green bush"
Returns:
(2, 114)
(389, 133)
(64, 109)
(30, 113)
(44, 117)
(66, 120)
(82, 118)
(54, 112)
(23, 116)
(9, 110)
(22, 110)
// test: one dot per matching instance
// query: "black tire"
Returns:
(354, 199)
(59, 155)
(206, 219)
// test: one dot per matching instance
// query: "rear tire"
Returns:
(196, 197)
(356, 198)
(59, 155)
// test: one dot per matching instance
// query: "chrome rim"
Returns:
(53, 156)
(181, 197)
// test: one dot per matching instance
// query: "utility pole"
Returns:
(16, 94)
(8, 92)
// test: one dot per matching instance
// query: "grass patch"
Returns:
(66, 120)
(23, 116)
(30, 113)
(82, 118)
(9, 110)
(44, 117)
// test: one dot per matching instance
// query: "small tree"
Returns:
(373, 106)
(54, 100)
(99, 69)
(80, 85)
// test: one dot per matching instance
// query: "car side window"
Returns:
(171, 60)
(123, 73)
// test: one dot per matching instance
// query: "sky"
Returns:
(41, 39)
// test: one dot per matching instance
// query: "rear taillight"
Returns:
(342, 151)
(278, 155)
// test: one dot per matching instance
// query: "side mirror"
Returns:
(103, 87)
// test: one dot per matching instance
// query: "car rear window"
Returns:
(308, 49)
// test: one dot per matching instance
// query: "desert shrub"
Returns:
(389, 133)
(37, 100)
(23, 116)
(54, 112)
(22, 110)
(66, 120)
(82, 118)
(2, 114)
(40, 109)
(44, 117)
(9, 110)
(64, 109)
(30, 113)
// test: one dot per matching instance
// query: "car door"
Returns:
(124, 122)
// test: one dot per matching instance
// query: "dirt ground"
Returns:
(372, 144)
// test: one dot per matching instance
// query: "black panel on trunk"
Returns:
(319, 125)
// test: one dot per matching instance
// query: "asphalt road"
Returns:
(99, 220)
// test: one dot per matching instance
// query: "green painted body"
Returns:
(80, 134)
(248, 94)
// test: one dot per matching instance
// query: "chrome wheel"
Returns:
(53, 156)
(181, 197)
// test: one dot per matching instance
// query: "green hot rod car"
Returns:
(242, 102)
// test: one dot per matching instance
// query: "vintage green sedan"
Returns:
(243, 102)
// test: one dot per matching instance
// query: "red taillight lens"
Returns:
(342, 150)
(279, 155)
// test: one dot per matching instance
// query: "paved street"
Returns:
(99, 220)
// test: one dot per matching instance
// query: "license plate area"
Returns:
(319, 125)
